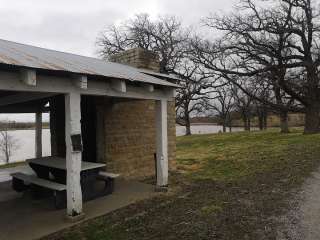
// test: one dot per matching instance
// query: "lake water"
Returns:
(204, 129)
(26, 140)
(26, 145)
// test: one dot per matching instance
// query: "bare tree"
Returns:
(170, 40)
(8, 143)
(221, 104)
(275, 38)
(164, 36)
(244, 105)
(195, 89)
(261, 111)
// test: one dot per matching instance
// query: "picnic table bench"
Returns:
(51, 175)
(108, 178)
(22, 181)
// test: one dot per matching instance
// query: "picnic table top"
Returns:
(60, 163)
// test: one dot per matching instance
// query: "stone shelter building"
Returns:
(120, 113)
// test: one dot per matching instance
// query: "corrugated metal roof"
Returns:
(22, 55)
(168, 76)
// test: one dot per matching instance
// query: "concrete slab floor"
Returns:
(5, 172)
(25, 218)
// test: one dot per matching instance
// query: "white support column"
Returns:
(162, 143)
(73, 154)
(38, 135)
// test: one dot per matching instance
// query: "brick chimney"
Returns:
(139, 58)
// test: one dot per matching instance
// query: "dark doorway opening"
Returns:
(88, 128)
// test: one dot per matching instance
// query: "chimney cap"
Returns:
(139, 58)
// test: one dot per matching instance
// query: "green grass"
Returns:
(232, 157)
(10, 165)
(227, 186)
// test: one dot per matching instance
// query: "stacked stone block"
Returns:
(129, 126)
(138, 58)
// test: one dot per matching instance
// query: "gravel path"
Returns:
(303, 221)
(310, 208)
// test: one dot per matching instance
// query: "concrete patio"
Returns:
(5, 172)
(25, 218)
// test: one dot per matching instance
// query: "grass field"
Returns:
(227, 186)
(11, 165)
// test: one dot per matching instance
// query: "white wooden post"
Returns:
(73, 156)
(38, 135)
(162, 143)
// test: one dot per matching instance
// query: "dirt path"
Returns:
(303, 221)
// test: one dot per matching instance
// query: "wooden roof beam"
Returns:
(23, 97)
(28, 77)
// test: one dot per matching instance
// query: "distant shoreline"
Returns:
(196, 124)
(17, 129)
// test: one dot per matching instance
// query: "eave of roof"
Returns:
(21, 55)
(162, 75)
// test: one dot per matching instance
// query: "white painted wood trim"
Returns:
(73, 159)
(10, 81)
(38, 135)
(162, 143)
(28, 77)
(119, 85)
(80, 81)
(149, 87)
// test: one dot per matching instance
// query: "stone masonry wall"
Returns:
(130, 137)
(139, 58)
(129, 126)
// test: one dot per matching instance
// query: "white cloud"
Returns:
(73, 25)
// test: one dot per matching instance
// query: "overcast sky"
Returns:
(73, 25)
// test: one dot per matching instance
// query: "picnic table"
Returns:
(55, 169)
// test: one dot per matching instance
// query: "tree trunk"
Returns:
(7, 148)
(312, 120)
(230, 124)
(188, 126)
(260, 118)
(265, 120)
(249, 124)
(284, 125)
(7, 157)
(224, 127)
(245, 123)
